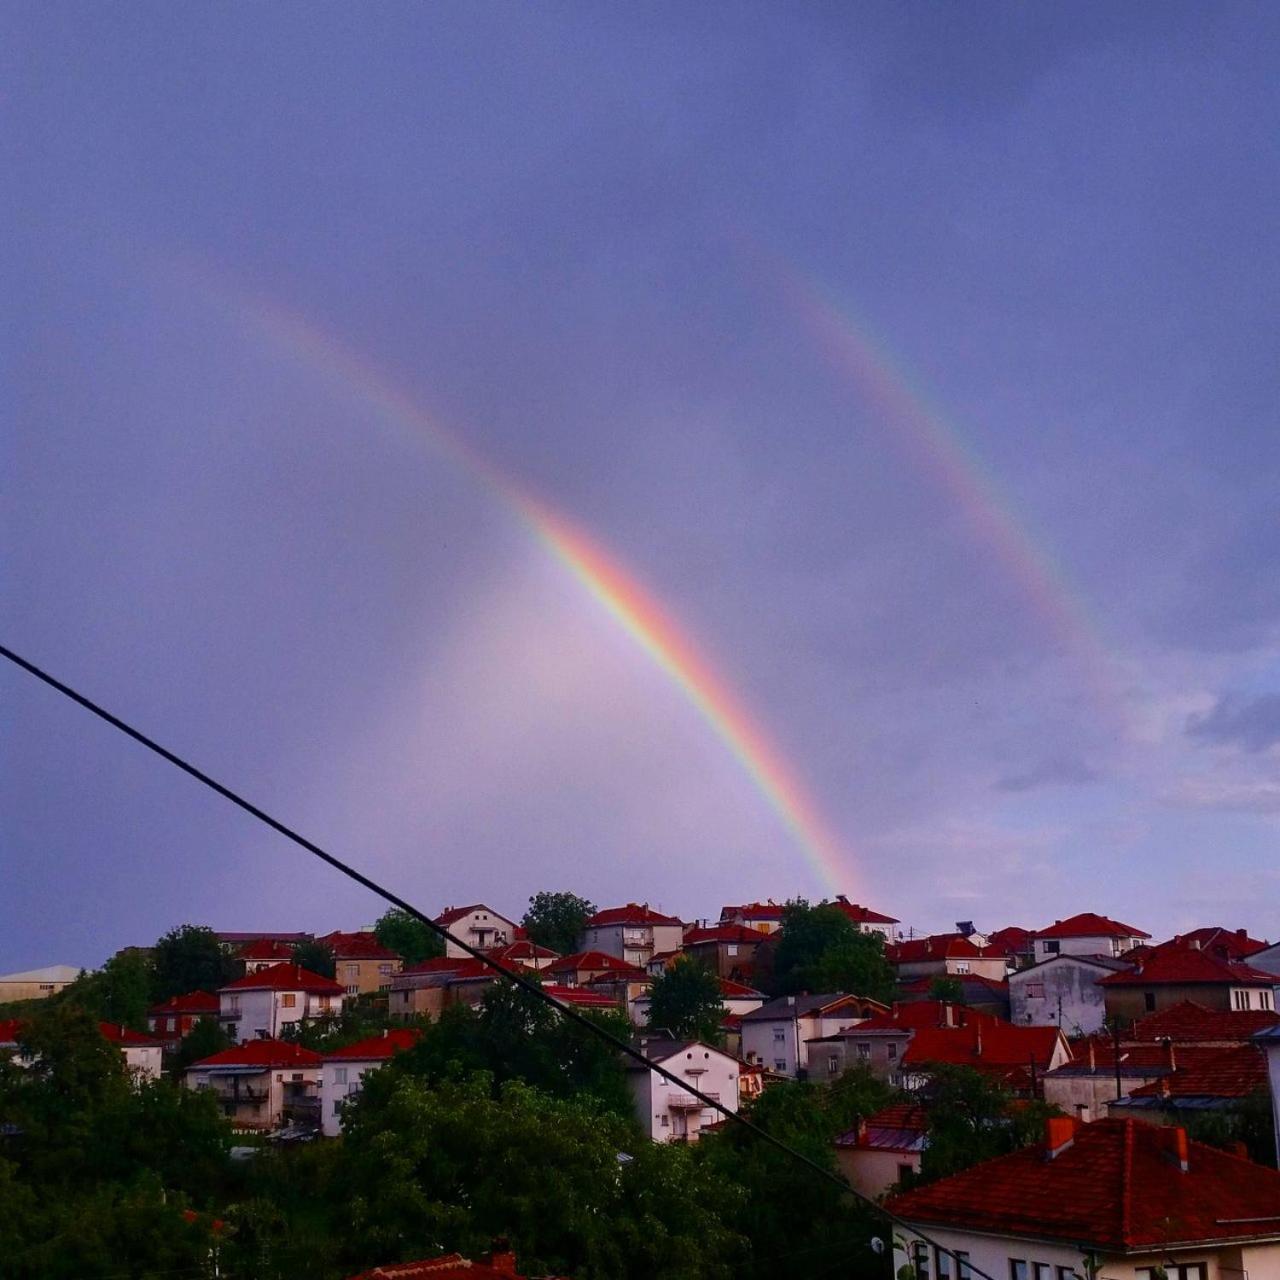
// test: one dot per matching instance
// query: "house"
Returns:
(986, 995)
(1208, 1079)
(761, 917)
(235, 942)
(526, 954)
(726, 949)
(171, 1020)
(632, 933)
(737, 999)
(667, 1113)
(342, 1072)
(500, 1264)
(361, 963)
(1087, 934)
(422, 990)
(1115, 1198)
(578, 969)
(1062, 992)
(262, 1084)
(945, 955)
(883, 1150)
(878, 1044)
(1226, 944)
(863, 918)
(1190, 1023)
(262, 1004)
(37, 984)
(777, 1034)
(581, 998)
(479, 926)
(1016, 942)
(1170, 975)
(142, 1055)
(262, 953)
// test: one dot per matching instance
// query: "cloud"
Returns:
(1225, 794)
(1250, 723)
(1054, 771)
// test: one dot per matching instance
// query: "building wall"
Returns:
(338, 1082)
(1070, 997)
(482, 929)
(771, 1043)
(362, 977)
(143, 1060)
(404, 1003)
(269, 1012)
(1088, 1096)
(1131, 1003)
(651, 1094)
(634, 943)
(1090, 945)
(882, 1056)
(993, 967)
(873, 1172)
(40, 990)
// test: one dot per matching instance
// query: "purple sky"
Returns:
(575, 233)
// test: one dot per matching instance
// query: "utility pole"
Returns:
(1115, 1043)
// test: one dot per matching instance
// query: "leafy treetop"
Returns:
(407, 936)
(685, 1001)
(556, 920)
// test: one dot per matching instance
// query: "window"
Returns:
(1174, 1271)
(920, 1252)
(353, 971)
(891, 1049)
(1149, 1001)
(352, 988)
(904, 1172)
(1034, 990)
(339, 1075)
(962, 1265)
(1051, 946)
(664, 1121)
(1041, 1271)
(1264, 999)
(833, 1064)
(779, 1035)
(1066, 1273)
(732, 949)
(1017, 1269)
(962, 966)
(337, 1106)
(941, 1258)
(289, 1000)
(779, 1064)
(864, 1051)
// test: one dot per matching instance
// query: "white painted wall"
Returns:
(707, 1070)
(339, 1081)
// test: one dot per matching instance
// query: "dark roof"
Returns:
(793, 1006)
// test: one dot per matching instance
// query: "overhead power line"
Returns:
(967, 1269)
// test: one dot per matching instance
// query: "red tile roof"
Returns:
(1117, 1185)
(196, 1003)
(754, 911)
(285, 977)
(1230, 944)
(993, 1045)
(737, 990)
(589, 960)
(125, 1038)
(266, 949)
(10, 1029)
(452, 1266)
(1012, 939)
(357, 946)
(253, 935)
(632, 913)
(903, 1120)
(262, 1053)
(451, 915)
(724, 933)
(860, 914)
(580, 996)
(522, 951)
(1188, 1021)
(438, 964)
(1187, 966)
(1236, 1072)
(376, 1048)
(1089, 925)
(997, 986)
(940, 946)
(912, 1014)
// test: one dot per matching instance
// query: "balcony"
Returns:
(678, 1100)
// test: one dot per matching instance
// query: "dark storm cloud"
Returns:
(1251, 723)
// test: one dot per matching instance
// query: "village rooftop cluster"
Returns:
(1128, 1039)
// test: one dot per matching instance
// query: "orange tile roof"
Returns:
(286, 977)
(1218, 1073)
(1185, 965)
(1188, 1021)
(1089, 925)
(1118, 1185)
(632, 913)
(261, 1053)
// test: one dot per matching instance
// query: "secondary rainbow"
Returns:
(615, 589)
(937, 447)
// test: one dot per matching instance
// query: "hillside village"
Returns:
(1103, 1058)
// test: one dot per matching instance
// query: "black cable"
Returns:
(533, 988)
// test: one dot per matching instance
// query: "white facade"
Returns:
(780, 1042)
(667, 1113)
(259, 1097)
(1085, 944)
(254, 1015)
(480, 926)
(638, 1008)
(338, 1082)
(1060, 992)
(142, 1060)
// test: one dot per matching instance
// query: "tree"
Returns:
(556, 920)
(685, 1001)
(205, 1039)
(189, 958)
(820, 949)
(948, 989)
(316, 956)
(121, 991)
(407, 936)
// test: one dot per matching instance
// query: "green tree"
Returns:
(556, 920)
(1248, 1121)
(407, 936)
(205, 1039)
(819, 949)
(316, 956)
(685, 1002)
(947, 988)
(189, 958)
(121, 991)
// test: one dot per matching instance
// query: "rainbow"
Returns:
(937, 447)
(615, 589)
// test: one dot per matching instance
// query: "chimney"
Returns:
(1174, 1140)
(1093, 1057)
(1241, 934)
(1059, 1134)
(1170, 1057)
(977, 1040)
(791, 999)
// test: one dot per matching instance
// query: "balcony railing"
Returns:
(678, 1100)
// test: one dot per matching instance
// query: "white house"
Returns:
(142, 1055)
(1087, 934)
(864, 919)
(1062, 992)
(633, 933)
(479, 926)
(666, 1112)
(260, 1005)
(1119, 1199)
(343, 1072)
(776, 1035)
(262, 1084)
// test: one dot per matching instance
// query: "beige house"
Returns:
(1117, 1199)
(361, 964)
(884, 1149)
(262, 1084)
(36, 984)
(945, 954)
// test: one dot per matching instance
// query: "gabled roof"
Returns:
(1230, 944)
(1236, 1072)
(994, 1045)
(1089, 925)
(451, 915)
(125, 1038)
(1013, 939)
(590, 960)
(266, 949)
(939, 946)
(632, 913)
(1188, 1022)
(196, 1003)
(972, 984)
(860, 914)
(754, 911)
(579, 996)
(1187, 966)
(357, 946)
(522, 951)
(1065, 959)
(660, 1049)
(901, 1127)
(1117, 1185)
(376, 1048)
(731, 990)
(802, 1005)
(723, 933)
(285, 977)
(264, 1054)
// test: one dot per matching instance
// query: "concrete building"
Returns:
(479, 926)
(884, 1149)
(946, 955)
(262, 1004)
(37, 984)
(1115, 1199)
(343, 1071)
(1087, 934)
(1062, 992)
(172, 1020)
(667, 1113)
(1170, 975)
(633, 933)
(864, 919)
(777, 1034)
(262, 1084)
(361, 964)
(728, 950)
(761, 917)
